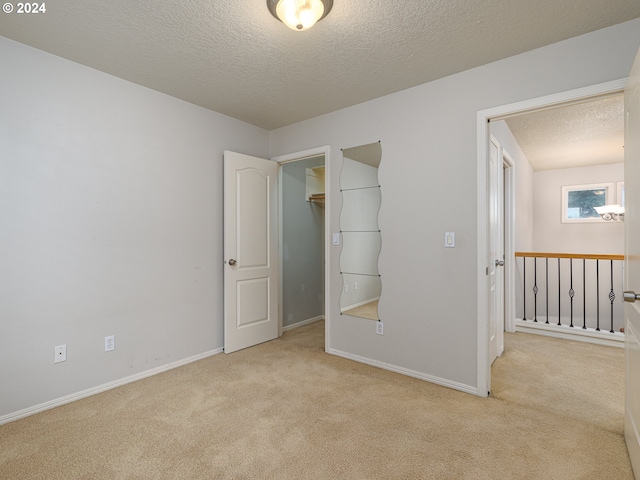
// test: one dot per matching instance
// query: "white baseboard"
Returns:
(104, 387)
(405, 371)
(579, 334)
(303, 323)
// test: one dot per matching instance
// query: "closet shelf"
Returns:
(317, 198)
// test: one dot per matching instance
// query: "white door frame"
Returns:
(498, 249)
(509, 240)
(292, 157)
(483, 118)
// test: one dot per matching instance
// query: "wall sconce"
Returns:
(611, 212)
(299, 15)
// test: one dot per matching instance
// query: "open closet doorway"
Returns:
(303, 183)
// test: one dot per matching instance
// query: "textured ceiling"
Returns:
(590, 133)
(233, 57)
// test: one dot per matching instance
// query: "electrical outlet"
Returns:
(346, 288)
(109, 343)
(379, 328)
(450, 239)
(355, 285)
(60, 354)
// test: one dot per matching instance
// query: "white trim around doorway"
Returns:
(483, 119)
(509, 240)
(292, 157)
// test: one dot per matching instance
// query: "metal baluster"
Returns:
(571, 291)
(524, 287)
(612, 297)
(546, 270)
(535, 289)
(559, 311)
(597, 295)
(584, 294)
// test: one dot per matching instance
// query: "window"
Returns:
(578, 202)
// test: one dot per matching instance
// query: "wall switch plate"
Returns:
(336, 239)
(450, 239)
(379, 328)
(346, 288)
(60, 354)
(109, 343)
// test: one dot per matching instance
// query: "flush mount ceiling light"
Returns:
(299, 15)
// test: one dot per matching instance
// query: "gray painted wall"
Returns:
(110, 224)
(302, 247)
(111, 209)
(429, 184)
(551, 235)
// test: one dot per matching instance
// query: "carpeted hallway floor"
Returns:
(287, 410)
(573, 379)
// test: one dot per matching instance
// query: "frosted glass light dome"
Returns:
(299, 15)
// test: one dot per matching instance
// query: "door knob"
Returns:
(499, 263)
(232, 262)
(631, 296)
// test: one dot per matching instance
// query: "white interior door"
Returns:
(250, 251)
(496, 256)
(632, 264)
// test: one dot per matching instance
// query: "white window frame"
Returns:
(609, 193)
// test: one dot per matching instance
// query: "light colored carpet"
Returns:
(287, 410)
(368, 310)
(574, 379)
